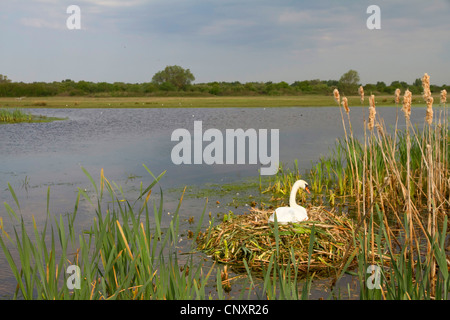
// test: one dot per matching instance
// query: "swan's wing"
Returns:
(284, 215)
(301, 214)
(288, 214)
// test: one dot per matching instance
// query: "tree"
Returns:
(381, 86)
(4, 79)
(349, 82)
(174, 75)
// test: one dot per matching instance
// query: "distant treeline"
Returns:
(120, 89)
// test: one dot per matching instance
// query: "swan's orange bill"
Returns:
(307, 189)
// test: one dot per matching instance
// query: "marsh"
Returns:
(35, 156)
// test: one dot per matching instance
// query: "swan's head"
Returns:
(303, 184)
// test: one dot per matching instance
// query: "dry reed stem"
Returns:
(372, 112)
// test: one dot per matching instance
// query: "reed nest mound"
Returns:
(250, 236)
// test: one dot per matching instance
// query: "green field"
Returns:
(190, 102)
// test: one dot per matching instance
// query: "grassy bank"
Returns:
(185, 102)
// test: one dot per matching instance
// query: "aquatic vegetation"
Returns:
(120, 256)
(17, 115)
(381, 206)
(244, 192)
(396, 186)
(126, 253)
(13, 116)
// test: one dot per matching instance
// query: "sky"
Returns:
(225, 40)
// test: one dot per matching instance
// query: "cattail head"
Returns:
(379, 129)
(372, 101)
(345, 104)
(443, 96)
(361, 93)
(407, 98)
(397, 96)
(337, 97)
(426, 87)
(372, 112)
(429, 115)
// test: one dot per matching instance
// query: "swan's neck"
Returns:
(293, 197)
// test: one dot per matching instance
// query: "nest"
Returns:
(251, 237)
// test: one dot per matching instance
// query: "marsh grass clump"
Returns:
(14, 116)
(401, 201)
(396, 186)
(126, 253)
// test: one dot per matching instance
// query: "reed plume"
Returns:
(361, 93)
(429, 115)
(407, 98)
(372, 112)
(427, 98)
(337, 97)
(345, 104)
(443, 96)
(397, 96)
(426, 87)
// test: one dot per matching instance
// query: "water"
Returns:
(34, 156)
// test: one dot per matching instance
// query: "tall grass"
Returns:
(125, 254)
(403, 188)
(396, 185)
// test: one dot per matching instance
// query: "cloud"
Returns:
(116, 3)
(247, 39)
(53, 21)
(40, 23)
(225, 26)
(294, 17)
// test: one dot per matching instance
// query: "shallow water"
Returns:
(34, 156)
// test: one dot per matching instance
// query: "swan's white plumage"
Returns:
(294, 213)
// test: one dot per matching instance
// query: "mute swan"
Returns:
(294, 213)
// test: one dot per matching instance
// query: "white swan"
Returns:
(294, 213)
